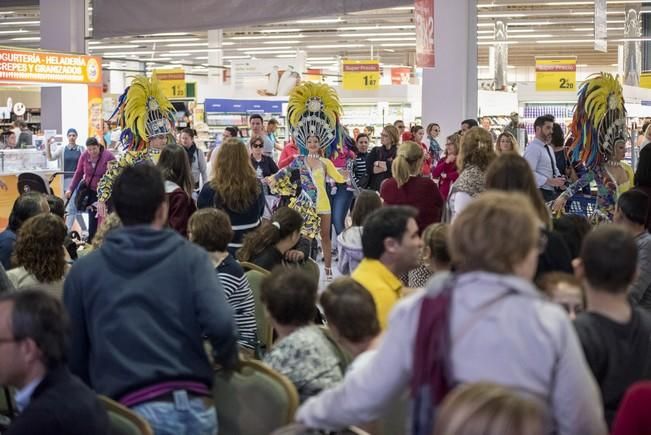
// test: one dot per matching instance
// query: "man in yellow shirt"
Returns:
(392, 247)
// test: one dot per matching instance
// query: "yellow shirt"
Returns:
(383, 285)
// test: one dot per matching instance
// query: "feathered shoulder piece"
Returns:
(599, 120)
(143, 112)
(314, 110)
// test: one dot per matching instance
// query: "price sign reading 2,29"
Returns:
(556, 74)
(361, 75)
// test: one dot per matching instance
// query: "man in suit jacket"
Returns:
(50, 400)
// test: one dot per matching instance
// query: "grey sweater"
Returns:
(640, 291)
(523, 342)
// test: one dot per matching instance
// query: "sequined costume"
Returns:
(143, 113)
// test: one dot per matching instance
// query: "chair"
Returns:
(343, 356)
(123, 420)
(263, 325)
(253, 400)
(251, 266)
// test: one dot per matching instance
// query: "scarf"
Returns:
(192, 151)
(471, 181)
(434, 148)
(431, 375)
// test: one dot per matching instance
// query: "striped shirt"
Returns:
(360, 174)
(240, 297)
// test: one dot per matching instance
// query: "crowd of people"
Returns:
(462, 300)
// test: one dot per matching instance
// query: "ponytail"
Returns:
(408, 162)
(284, 222)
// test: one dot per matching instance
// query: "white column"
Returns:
(450, 89)
(215, 56)
(63, 26)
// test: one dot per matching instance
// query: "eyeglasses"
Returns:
(257, 145)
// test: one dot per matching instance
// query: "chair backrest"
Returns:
(265, 330)
(343, 356)
(253, 400)
(123, 420)
(252, 266)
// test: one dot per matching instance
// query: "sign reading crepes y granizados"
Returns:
(46, 67)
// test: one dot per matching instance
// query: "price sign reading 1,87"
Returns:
(361, 75)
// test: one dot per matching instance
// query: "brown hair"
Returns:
(494, 233)
(408, 162)
(393, 133)
(366, 203)
(289, 296)
(490, 409)
(476, 149)
(284, 222)
(550, 280)
(435, 237)
(175, 167)
(510, 172)
(211, 229)
(234, 179)
(350, 308)
(514, 143)
(455, 140)
(39, 247)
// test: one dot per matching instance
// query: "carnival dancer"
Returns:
(145, 116)
(598, 128)
(313, 117)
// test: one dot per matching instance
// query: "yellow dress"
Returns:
(318, 177)
(629, 184)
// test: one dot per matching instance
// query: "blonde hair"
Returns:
(455, 139)
(408, 162)
(514, 143)
(435, 239)
(111, 222)
(494, 233)
(476, 149)
(393, 133)
(490, 409)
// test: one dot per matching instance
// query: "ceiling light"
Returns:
(271, 52)
(494, 42)
(320, 21)
(20, 23)
(7, 12)
(27, 38)
(361, 35)
(566, 41)
(285, 56)
(279, 30)
(280, 42)
(413, 38)
(236, 57)
(336, 46)
(188, 44)
(246, 38)
(126, 53)
(101, 47)
(378, 27)
(502, 15)
(403, 8)
(177, 54)
(177, 61)
(151, 41)
(261, 48)
(408, 44)
(312, 59)
(171, 34)
(12, 32)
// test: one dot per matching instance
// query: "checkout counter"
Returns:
(14, 162)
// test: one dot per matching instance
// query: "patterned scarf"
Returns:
(470, 181)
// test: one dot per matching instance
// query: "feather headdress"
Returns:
(314, 110)
(143, 112)
(599, 120)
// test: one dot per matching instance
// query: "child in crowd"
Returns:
(565, 290)
(175, 166)
(436, 257)
(349, 242)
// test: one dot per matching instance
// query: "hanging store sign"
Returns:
(556, 74)
(424, 21)
(361, 75)
(645, 80)
(171, 82)
(46, 67)
(400, 76)
(600, 26)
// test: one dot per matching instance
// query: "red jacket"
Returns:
(419, 192)
(451, 174)
(287, 155)
(181, 208)
(633, 417)
(427, 162)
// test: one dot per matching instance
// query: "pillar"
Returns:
(63, 27)
(215, 56)
(449, 90)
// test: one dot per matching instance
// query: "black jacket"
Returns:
(61, 405)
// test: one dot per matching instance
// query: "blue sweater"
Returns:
(139, 307)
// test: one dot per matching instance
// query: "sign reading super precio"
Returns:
(41, 66)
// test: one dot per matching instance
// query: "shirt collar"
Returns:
(72, 147)
(382, 273)
(24, 395)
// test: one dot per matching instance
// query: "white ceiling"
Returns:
(535, 28)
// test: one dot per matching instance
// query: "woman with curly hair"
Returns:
(234, 189)
(39, 254)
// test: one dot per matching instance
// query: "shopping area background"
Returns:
(378, 234)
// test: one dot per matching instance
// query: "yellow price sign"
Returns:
(361, 75)
(556, 74)
(645, 80)
(171, 82)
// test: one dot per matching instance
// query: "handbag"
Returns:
(85, 195)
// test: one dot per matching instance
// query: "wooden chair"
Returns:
(123, 420)
(253, 400)
(251, 266)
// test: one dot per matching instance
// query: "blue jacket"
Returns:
(7, 242)
(139, 307)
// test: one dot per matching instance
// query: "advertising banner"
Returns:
(400, 76)
(45, 67)
(424, 21)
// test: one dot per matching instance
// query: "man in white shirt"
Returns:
(257, 129)
(540, 157)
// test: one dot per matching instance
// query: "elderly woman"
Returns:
(497, 328)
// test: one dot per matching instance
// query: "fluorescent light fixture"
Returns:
(177, 61)
(103, 47)
(270, 52)
(152, 41)
(378, 27)
(383, 34)
(237, 57)
(566, 41)
(280, 42)
(413, 38)
(518, 23)
(171, 34)
(502, 15)
(320, 21)
(27, 38)
(403, 8)
(252, 38)
(159, 59)
(201, 57)
(188, 44)
(94, 42)
(312, 59)
(12, 32)
(177, 54)
(20, 23)
(7, 12)
(197, 50)
(519, 36)
(285, 56)
(494, 42)
(127, 53)
(401, 44)
(278, 31)
(336, 46)
(261, 48)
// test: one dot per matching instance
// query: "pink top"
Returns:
(86, 169)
